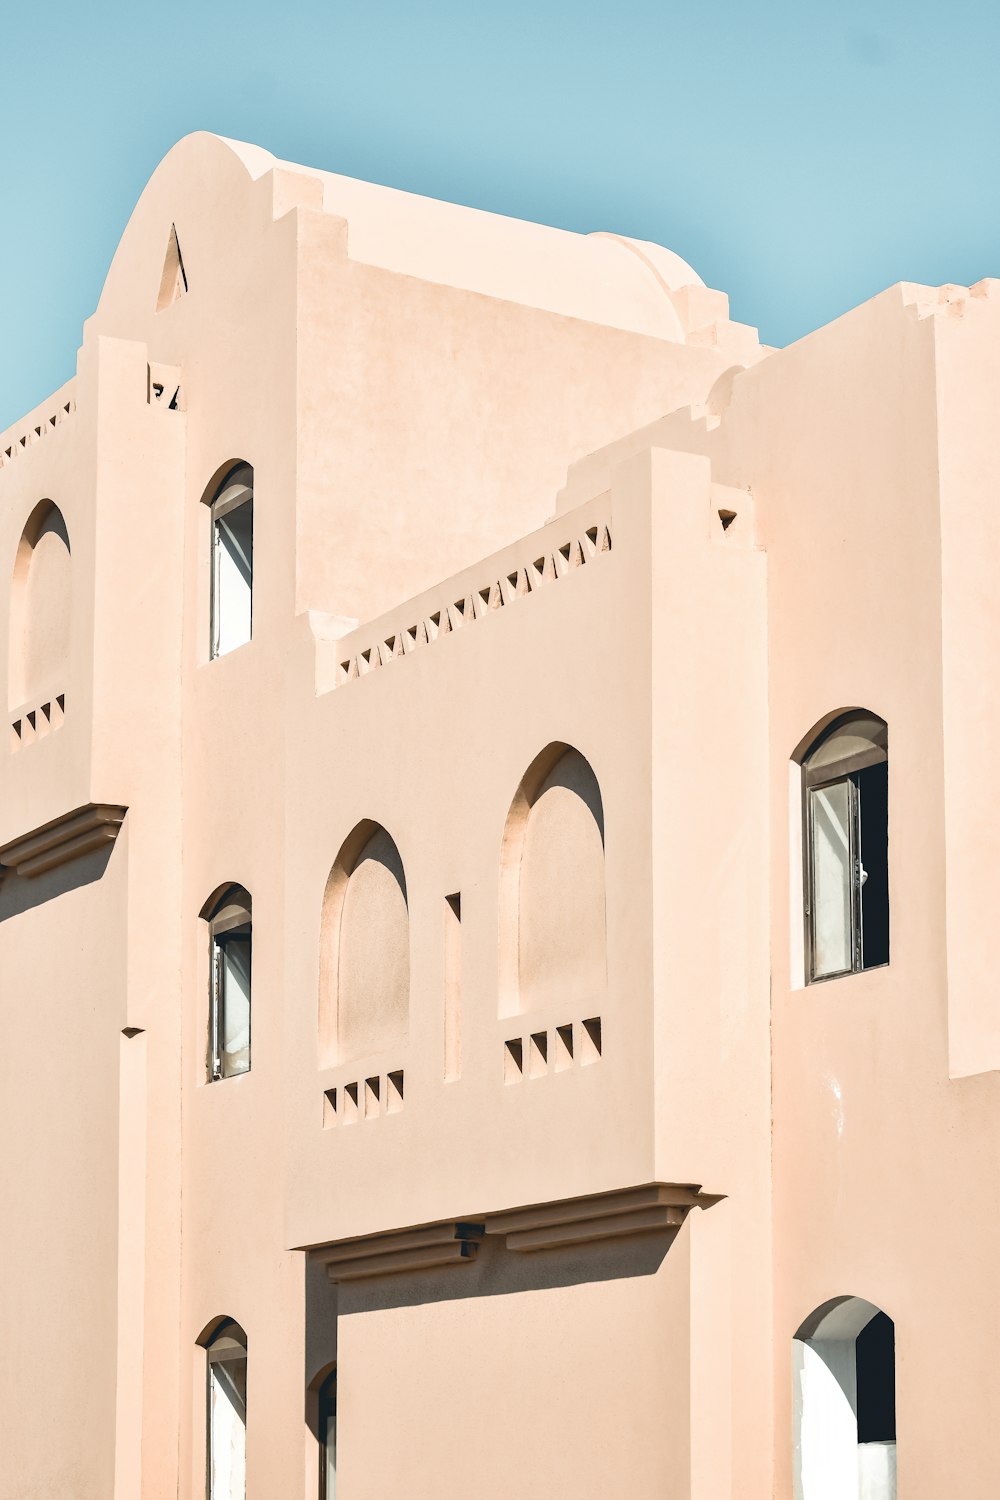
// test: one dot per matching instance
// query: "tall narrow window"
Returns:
(328, 1438)
(232, 561)
(227, 1413)
(230, 952)
(846, 869)
(452, 987)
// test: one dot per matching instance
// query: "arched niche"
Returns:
(364, 1000)
(844, 1403)
(553, 939)
(40, 608)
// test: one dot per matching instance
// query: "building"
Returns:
(473, 714)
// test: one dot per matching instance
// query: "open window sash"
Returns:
(232, 571)
(833, 909)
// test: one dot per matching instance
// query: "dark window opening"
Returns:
(876, 1368)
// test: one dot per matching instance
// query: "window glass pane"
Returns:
(233, 548)
(330, 1455)
(830, 822)
(236, 956)
(227, 1393)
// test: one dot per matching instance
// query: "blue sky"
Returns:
(801, 156)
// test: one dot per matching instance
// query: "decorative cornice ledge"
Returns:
(64, 839)
(402, 1250)
(653, 1206)
(598, 1216)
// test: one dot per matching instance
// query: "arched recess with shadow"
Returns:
(844, 1403)
(225, 1345)
(553, 918)
(40, 608)
(364, 996)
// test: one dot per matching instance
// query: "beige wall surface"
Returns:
(62, 957)
(555, 571)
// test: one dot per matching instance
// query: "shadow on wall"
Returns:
(553, 920)
(40, 608)
(19, 894)
(498, 1272)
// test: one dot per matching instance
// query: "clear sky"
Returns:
(801, 155)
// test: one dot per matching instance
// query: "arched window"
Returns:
(844, 1414)
(365, 949)
(226, 1349)
(845, 780)
(40, 608)
(232, 560)
(328, 1437)
(230, 929)
(553, 909)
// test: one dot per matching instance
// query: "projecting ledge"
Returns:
(64, 839)
(598, 1216)
(565, 1222)
(400, 1251)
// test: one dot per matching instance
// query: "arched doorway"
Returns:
(844, 1393)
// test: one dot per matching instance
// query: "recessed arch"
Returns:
(844, 1403)
(41, 603)
(553, 921)
(364, 995)
(218, 1326)
(843, 765)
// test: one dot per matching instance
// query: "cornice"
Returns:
(65, 838)
(563, 1223)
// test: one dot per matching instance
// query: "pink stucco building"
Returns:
(497, 868)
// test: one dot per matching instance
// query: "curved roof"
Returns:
(602, 278)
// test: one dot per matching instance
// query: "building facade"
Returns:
(497, 870)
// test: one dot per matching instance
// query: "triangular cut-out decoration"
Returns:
(173, 282)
